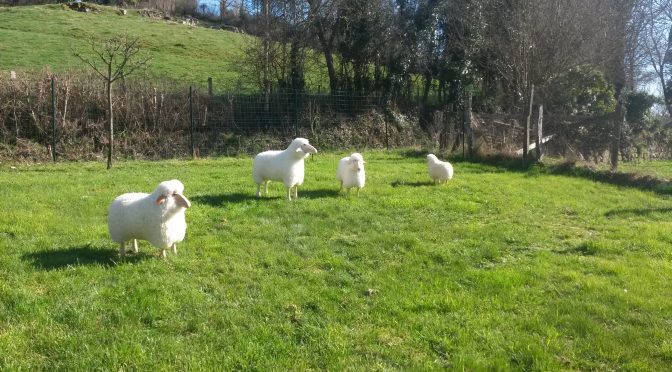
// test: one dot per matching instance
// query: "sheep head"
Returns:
(301, 147)
(357, 162)
(432, 158)
(168, 191)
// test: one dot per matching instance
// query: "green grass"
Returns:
(37, 37)
(496, 270)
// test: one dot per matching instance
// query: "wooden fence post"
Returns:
(526, 137)
(469, 132)
(191, 124)
(53, 119)
(540, 134)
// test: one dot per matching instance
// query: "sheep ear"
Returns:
(160, 200)
(299, 150)
(182, 200)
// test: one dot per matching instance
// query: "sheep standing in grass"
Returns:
(157, 217)
(350, 172)
(286, 166)
(440, 171)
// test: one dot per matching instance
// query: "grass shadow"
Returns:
(634, 180)
(79, 256)
(319, 193)
(398, 183)
(421, 153)
(636, 211)
(220, 199)
(514, 163)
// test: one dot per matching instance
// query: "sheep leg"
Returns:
(135, 246)
(258, 190)
(296, 192)
(289, 193)
(174, 248)
(122, 249)
(163, 253)
(358, 191)
(266, 187)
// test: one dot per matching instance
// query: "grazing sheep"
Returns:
(157, 217)
(350, 172)
(440, 171)
(286, 166)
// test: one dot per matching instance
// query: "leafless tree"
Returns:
(113, 59)
(654, 18)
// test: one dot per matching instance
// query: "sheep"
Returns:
(350, 172)
(440, 171)
(286, 166)
(157, 217)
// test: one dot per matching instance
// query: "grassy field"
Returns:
(496, 270)
(37, 37)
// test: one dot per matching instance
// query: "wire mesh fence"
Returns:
(64, 117)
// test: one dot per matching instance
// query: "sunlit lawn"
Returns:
(496, 270)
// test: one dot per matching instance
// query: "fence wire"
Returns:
(158, 121)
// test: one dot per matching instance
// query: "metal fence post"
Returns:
(53, 119)
(191, 124)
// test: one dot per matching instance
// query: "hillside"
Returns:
(37, 37)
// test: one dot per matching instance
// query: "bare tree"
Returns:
(113, 59)
(655, 19)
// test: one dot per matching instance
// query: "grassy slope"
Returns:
(41, 36)
(495, 269)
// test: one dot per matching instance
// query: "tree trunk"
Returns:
(618, 130)
(331, 70)
(428, 85)
(665, 66)
(267, 56)
(110, 128)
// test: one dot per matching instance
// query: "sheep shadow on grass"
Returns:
(217, 200)
(398, 183)
(319, 193)
(85, 255)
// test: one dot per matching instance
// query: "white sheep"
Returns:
(440, 171)
(286, 166)
(157, 217)
(350, 172)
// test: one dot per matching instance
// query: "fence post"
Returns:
(295, 112)
(387, 137)
(210, 86)
(469, 132)
(526, 137)
(53, 119)
(540, 134)
(191, 124)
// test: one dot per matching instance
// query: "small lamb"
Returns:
(350, 172)
(157, 217)
(286, 166)
(440, 171)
